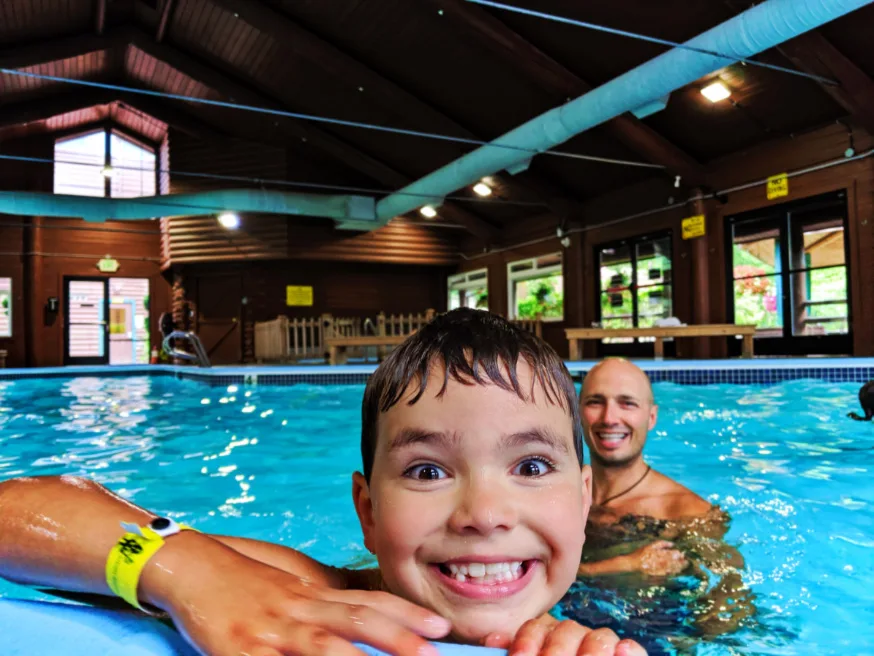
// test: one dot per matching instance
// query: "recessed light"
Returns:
(716, 92)
(229, 220)
(482, 189)
(428, 211)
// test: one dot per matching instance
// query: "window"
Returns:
(104, 163)
(469, 289)
(5, 307)
(536, 288)
(635, 282)
(789, 270)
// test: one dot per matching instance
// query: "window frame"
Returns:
(633, 287)
(536, 271)
(108, 131)
(781, 216)
(9, 310)
(466, 281)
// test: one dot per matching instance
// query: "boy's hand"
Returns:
(547, 635)
(227, 604)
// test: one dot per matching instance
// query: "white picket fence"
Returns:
(291, 340)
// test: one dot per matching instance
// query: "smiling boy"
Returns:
(473, 498)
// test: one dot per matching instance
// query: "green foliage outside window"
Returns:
(544, 298)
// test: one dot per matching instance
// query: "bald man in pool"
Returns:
(642, 521)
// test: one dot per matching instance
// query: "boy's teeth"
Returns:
(485, 573)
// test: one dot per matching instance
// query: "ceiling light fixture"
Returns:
(229, 220)
(428, 211)
(716, 92)
(482, 189)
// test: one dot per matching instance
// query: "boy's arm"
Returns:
(57, 532)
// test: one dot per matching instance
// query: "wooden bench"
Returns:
(337, 345)
(576, 335)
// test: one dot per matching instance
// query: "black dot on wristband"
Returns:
(161, 523)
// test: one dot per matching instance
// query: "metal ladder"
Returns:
(199, 354)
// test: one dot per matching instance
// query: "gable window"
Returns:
(470, 289)
(536, 288)
(104, 163)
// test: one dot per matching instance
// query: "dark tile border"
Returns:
(757, 376)
(734, 375)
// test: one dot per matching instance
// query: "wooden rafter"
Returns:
(100, 16)
(56, 50)
(71, 101)
(164, 20)
(550, 75)
(814, 53)
(341, 150)
(388, 94)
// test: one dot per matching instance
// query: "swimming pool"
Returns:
(273, 463)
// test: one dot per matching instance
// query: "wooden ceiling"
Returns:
(444, 66)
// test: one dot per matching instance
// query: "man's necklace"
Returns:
(626, 491)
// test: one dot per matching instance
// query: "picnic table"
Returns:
(576, 335)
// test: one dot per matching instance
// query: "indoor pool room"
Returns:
(437, 327)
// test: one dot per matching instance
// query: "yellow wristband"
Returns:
(128, 558)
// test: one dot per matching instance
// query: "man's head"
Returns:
(618, 410)
(472, 497)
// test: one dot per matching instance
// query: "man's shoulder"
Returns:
(681, 502)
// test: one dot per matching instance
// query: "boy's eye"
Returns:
(533, 467)
(425, 473)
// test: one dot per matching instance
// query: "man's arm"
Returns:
(656, 559)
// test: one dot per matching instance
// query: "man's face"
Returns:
(617, 412)
(476, 506)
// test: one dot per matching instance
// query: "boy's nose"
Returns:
(483, 506)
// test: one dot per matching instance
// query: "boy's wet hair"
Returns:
(474, 347)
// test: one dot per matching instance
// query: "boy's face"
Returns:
(476, 506)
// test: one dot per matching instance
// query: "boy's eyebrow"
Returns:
(541, 435)
(409, 436)
(538, 435)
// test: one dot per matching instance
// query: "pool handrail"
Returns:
(200, 356)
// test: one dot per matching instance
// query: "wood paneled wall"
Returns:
(229, 296)
(37, 253)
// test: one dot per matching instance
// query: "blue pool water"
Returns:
(274, 463)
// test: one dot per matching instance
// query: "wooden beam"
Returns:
(347, 153)
(100, 16)
(389, 95)
(814, 53)
(44, 108)
(541, 69)
(164, 20)
(71, 101)
(58, 49)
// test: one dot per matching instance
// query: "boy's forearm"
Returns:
(58, 531)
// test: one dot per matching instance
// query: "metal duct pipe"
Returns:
(338, 207)
(743, 36)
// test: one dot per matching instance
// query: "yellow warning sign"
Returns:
(694, 226)
(778, 186)
(300, 296)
